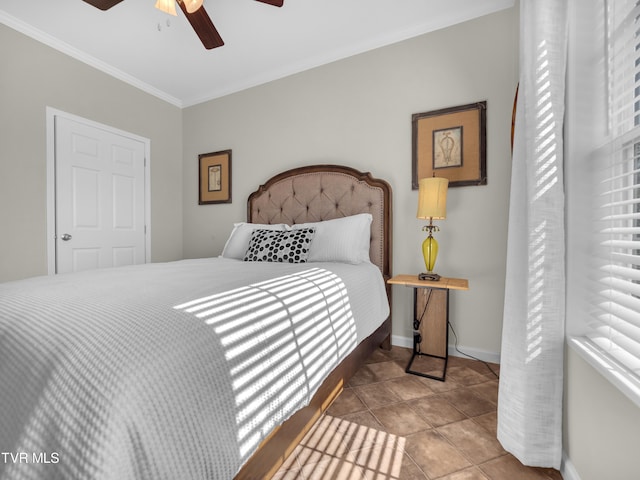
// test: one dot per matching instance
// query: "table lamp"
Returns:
(432, 205)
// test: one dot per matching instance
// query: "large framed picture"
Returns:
(214, 177)
(451, 143)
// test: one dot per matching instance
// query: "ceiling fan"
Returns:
(195, 13)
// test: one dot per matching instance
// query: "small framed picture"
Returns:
(447, 148)
(451, 143)
(214, 178)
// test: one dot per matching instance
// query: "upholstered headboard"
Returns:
(323, 192)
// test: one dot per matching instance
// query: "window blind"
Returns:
(614, 321)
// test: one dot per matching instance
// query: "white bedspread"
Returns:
(169, 371)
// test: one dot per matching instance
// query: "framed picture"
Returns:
(214, 177)
(513, 116)
(451, 143)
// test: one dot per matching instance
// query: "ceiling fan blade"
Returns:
(203, 27)
(103, 4)
(275, 3)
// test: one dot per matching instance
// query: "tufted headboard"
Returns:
(323, 192)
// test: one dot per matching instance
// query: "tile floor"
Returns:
(388, 424)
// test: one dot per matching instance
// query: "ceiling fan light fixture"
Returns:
(167, 6)
(193, 5)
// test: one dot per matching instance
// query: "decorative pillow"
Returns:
(276, 246)
(343, 239)
(238, 241)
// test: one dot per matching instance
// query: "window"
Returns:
(611, 339)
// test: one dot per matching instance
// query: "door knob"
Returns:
(66, 237)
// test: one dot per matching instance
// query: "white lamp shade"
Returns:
(432, 197)
(167, 6)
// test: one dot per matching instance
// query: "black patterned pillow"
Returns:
(279, 246)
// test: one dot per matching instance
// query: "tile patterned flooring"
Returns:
(391, 425)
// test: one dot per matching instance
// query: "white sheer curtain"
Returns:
(531, 371)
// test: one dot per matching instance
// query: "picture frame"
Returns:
(214, 177)
(513, 116)
(451, 143)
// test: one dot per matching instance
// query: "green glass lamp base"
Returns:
(430, 253)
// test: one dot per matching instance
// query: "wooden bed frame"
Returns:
(311, 194)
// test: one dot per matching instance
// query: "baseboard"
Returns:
(567, 469)
(399, 341)
(460, 351)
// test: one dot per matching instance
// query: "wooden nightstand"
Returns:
(430, 318)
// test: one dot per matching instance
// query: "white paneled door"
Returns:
(99, 197)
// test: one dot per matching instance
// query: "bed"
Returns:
(202, 368)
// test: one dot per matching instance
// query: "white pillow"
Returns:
(343, 239)
(238, 242)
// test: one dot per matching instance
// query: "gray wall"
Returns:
(33, 77)
(601, 425)
(357, 112)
